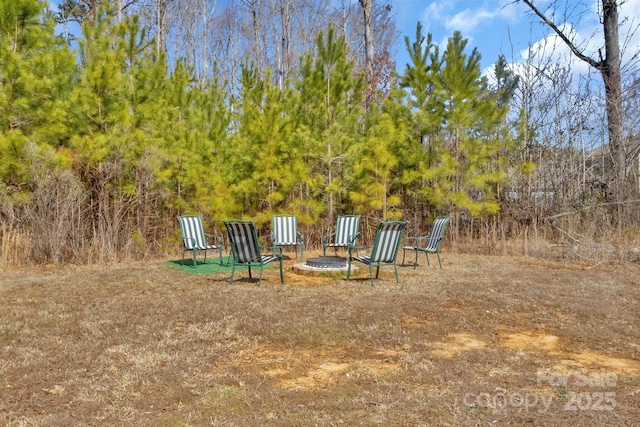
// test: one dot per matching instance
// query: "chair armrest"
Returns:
(300, 235)
(217, 238)
(353, 238)
(326, 238)
(274, 248)
(424, 242)
(356, 247)
(416, 241)
(411, 240)
(192, 240)
(351, 247)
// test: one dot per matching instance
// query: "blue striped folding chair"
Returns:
(429, 243)
(195, 239)
(246, 249)
(384, 251)
(346, 233)
(285, 233)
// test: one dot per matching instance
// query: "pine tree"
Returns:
(193, 127)
(117, 153)
(471, 115)
(417, 106)
(36, 71)
(264, 166)
(331, 113)
(461, 124)
(375, 169)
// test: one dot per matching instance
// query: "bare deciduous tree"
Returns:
(367, 6)
(609, 68)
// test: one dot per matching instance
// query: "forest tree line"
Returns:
(138, 111)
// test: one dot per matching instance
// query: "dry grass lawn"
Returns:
(485, 341)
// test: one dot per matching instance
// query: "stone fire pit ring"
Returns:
(324, 264)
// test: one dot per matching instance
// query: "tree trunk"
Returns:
(368, 40)
(609, 68)
(161, 22)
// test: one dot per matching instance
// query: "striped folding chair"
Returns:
(429, 243)
(195, 239)
(246, 249)
(346, 233)
(285, 233)
(384, 251)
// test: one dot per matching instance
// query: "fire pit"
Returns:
(324, 264)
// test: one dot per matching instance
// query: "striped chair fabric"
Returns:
(385, 249)
(429, 243)
(246, 249)
(346, 233)
(195, 239)
(285, 233)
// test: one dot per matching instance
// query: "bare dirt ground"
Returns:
(485, 341)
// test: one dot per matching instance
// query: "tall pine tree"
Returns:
(462, 125)
(331, 113)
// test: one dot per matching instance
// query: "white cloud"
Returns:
(551, 51)
(435, 12)
(467, 16)
(588, 38)
(476, 20)
(469, 20)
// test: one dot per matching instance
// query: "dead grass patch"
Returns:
(145, 344)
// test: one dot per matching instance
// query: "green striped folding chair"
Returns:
(346, 233)
(285, 233)
(429, 243)
(384, 251)
(195, 239)
(245, 248)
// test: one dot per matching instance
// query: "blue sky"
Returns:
(504, 27)
(488, 25)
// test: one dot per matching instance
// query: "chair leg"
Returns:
(439, 262)
(415, 261)
(348, 268)
(281, 273)
(182, 260)
(377, 271)
(427, 254)
(250, 271)
(220, 250)
(371, 275)
(404, 252)
(396, 271)
(195, 262)
(260, 279)
(302, 252)
(233, 270)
